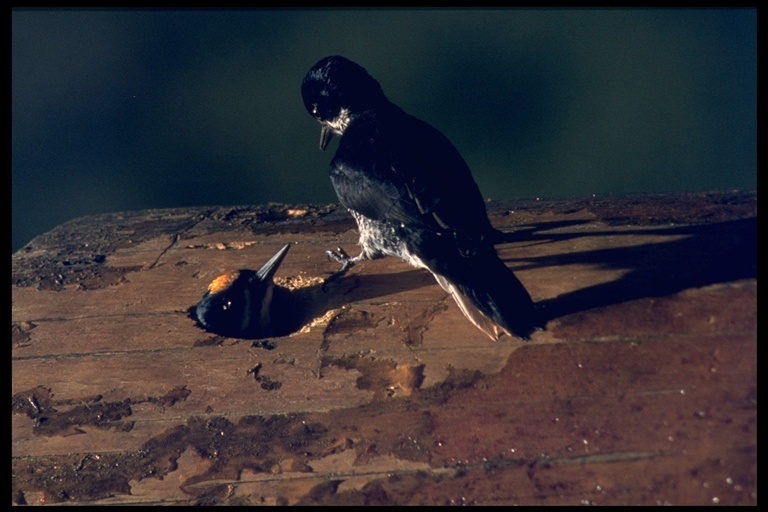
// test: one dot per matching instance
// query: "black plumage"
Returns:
(413, 196)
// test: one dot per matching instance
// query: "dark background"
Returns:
(118, 110)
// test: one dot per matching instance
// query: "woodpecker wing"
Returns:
(391, 166)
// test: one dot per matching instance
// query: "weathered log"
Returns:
(641, 390)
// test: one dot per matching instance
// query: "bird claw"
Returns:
(339, 256)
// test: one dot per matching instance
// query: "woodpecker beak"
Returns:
(326, 134)
(266, 272)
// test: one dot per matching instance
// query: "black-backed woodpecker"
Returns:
(413, 197)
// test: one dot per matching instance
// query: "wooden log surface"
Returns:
(642, 389)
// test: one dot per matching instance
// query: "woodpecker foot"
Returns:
(341, 256)
(346, 261)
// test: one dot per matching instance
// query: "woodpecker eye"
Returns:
(322, 108)
(321, 111)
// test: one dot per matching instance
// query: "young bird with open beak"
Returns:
(247, 303)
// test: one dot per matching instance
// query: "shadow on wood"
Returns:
(700, 255)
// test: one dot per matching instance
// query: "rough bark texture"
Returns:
(642, 389)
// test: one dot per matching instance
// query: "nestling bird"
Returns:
(246, 303)
(413, 197)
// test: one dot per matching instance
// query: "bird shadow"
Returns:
(699, 255)
(316, 301)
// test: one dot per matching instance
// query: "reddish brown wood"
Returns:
(642, 390)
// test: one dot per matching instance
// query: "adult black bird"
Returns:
(247, 303)
(413, 196)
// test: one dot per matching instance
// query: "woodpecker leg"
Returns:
(347, 262)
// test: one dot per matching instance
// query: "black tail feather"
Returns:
(491, 296)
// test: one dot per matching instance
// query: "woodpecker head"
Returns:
(334, 91)
(239, 303)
